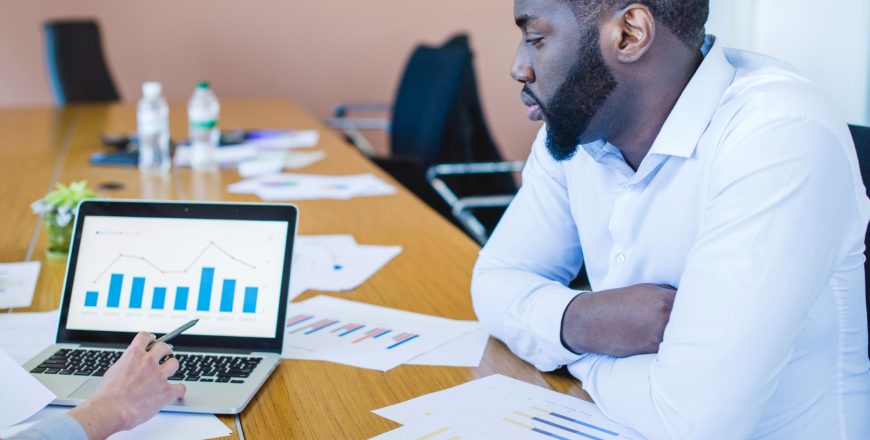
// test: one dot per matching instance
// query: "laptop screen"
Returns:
(155, 272)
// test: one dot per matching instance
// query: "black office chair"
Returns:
(436, 118)
(861, 136)
(76, 66)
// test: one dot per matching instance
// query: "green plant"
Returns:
(57, 209)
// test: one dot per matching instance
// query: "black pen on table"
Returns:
(172, 334)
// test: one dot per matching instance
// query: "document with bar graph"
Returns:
(363, 335)
(155, 274)
(497, 406)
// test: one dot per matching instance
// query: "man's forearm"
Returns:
(619, 322)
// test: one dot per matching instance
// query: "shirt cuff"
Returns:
(550, 305)
(54, 427)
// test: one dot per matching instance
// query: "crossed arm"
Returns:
(782, 200)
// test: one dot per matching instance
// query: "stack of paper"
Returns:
(335, 263)
(24, 335)
(17, 282)
(290, 186)
(271, 141)
(367, 336)
(267, 152)
(22, 395)
(500, 407)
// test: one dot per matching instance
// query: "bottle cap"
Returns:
(202, 85)
(151, 89)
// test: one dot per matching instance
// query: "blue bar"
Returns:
(548, 434)
(205, 282)
(381, 334)
(159, 298)
(181, 298)
(317, 329)
(91, 299)
(400, 343)
(250, 305)
(606, 431)
(115, 290)
(351, 331)
(227, 294)
(573, 431)
(136, 292)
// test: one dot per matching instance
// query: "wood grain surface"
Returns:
(302, 399)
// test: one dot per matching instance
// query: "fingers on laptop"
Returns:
(160, 350)
(142, 340)
(169, 367)
(177, 390)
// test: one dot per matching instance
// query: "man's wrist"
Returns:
(100, 417)
(570, 326)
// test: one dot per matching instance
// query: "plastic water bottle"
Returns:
(203, 112)
(153, 130)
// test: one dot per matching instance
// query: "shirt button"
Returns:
(630, 187)
(620, 258)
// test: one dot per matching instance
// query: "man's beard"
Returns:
(577, 99)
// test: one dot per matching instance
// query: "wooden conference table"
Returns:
(303, 399)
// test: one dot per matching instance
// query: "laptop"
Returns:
(153, 266)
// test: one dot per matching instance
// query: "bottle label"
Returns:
(209, 123)
(151, 124)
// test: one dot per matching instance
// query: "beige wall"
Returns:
(316, 52)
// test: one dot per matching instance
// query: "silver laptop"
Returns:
(153, 266)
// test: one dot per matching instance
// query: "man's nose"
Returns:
(521, 70)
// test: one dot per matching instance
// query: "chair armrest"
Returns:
(446, 169)
(341, 109)
(382, 124)
(434, 173)
(461, 208)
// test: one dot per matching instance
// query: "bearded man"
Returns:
(714, 197)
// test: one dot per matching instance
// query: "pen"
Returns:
(172, 334)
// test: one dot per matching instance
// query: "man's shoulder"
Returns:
(765, 88)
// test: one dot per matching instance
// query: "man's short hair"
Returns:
(685, 18)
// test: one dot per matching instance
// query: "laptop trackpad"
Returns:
(86, 390)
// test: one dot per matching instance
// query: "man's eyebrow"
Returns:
(524, 20)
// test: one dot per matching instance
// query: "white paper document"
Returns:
(17, 283)
(230, 156)
(291, 186)
(21, 395)
(465, 351)
(335, 263)
(164, 426)
(500, 407)
(430, 431)
(24, 335)
(362, 335)
(274, 162)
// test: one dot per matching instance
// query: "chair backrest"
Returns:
(428, 93)
(861, 136)
(76, 66)
(438, 118)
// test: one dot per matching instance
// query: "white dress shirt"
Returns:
(750, 202)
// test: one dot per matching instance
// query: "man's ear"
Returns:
(629, 33)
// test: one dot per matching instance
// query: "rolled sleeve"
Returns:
(53, 428)
(519, 287)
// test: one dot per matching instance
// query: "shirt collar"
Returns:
(694, 109)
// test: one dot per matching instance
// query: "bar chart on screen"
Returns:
(157, 276)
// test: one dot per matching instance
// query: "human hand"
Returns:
(132, 391)
(618, 322)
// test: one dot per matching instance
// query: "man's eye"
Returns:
(534, 41)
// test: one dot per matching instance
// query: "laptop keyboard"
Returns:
(193, 367)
